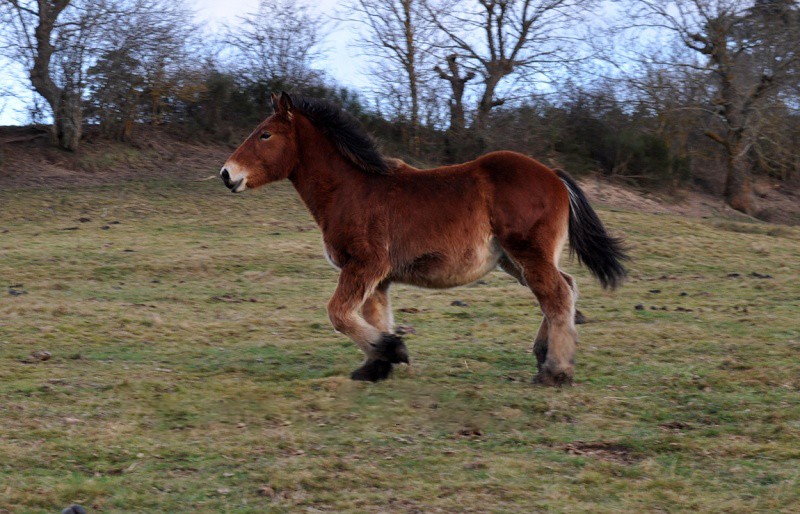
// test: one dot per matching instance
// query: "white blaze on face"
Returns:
(236, 173)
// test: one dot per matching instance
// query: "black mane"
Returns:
(345, 132)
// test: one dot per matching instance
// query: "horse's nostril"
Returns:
(226, 177)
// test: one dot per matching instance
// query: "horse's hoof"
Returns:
(391, 348)
(373, 371)
(547, 379)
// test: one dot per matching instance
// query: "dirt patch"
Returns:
(777, 202)
(613, 452)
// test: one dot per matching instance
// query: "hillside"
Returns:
(27, 160)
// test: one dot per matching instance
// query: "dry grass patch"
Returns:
(192, 368)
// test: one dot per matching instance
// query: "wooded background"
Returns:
(656, 93)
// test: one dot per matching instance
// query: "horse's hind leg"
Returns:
(382, 349)
(540, 344)
(557, 301)
(508, 265)
(511, 267)
(556, 340)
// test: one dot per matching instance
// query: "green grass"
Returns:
(193, 369)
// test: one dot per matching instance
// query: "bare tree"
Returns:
(279, 41)
(399, 37)
(58, 40)
(498, 38)
(458, 83)
(142, 68)
(749, 52)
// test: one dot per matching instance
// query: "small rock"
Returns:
(639, 307)
(105, 227)
(405, 329)
(470, 431)
(84, 220)
(580, 319)
(759, 275)
(70, 228)
(16, 292)
(734, 275)
(74, 509)
(223, 490)
(655, 291)
(41, 355)
(267, 491)
(683, 293)
(459, 303)
(475, 465)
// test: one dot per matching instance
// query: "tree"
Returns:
(499, 38)
(399, 37)
(144, 69)
(58, 40)
(278, 43)
(458, 83)
(749, 52)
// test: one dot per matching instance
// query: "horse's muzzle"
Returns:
(229, 183)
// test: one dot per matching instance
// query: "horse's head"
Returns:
(268, 154)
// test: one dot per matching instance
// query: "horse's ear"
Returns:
(285, 102)
(275, 105)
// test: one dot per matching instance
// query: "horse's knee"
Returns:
(339, 320)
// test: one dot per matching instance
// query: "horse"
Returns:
(385, 222)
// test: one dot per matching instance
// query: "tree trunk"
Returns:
(66, 106)
(67, 121)
(487, 100)
(457, 85)
(739, 184)
(411, 70)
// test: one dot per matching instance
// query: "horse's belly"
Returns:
(452, 267)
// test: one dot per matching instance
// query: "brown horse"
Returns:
(383, 221)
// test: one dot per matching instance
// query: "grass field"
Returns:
(193, 369)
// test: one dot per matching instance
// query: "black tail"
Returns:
(601, 253)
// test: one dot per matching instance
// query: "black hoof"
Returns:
(391, 348)
(373, 371)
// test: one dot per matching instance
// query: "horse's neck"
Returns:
(318, 182)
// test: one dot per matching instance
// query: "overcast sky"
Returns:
(342, 63)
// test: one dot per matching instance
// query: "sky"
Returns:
(342, 60)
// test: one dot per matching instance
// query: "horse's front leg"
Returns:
(382, 348)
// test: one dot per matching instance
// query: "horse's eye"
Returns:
(265, 135)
